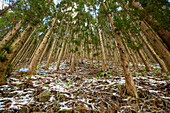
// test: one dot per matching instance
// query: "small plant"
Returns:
(69, 83)
(77, 95)
(46, 85)
(3, 58)
(108, 75)
(101, 74)
(98, 75)
(63, 98)
(58, 95)
(119, 87)
(57, 81)
(144, 69)
(7, 48)
(29, 76)
(134, 73)
(166, 75)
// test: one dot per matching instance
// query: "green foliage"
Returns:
(3, 58)
(7, 47)
(57, 80)
(69, 83)
(166, 75)
(46, 85)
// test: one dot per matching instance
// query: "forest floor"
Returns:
(87, 90)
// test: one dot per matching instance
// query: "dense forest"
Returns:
(85, 56)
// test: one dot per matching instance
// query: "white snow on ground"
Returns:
(61, 84)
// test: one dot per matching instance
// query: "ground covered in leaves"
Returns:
(86, 90)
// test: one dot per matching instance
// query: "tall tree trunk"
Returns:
(130, 86)
(62, 48)
(82, 52)
(162, 65)
(23, 49)
(163, 33)
(141, 54)
(91, 55)
(33, 65)
(44, 51)
(157, 44)
(102, 48)
(50, 54)
(16, 46)
(129, 53)
(11, 34)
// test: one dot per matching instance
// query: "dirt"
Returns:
(86, 90)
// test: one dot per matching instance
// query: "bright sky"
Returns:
(3, 3)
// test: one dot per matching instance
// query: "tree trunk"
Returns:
(162, 65)
(130, 86)
(141, 54)
(23, 49)
(102, 49)
(11, 34)
(44, 51)
(60, 55)
(50, 54)
(91, 55)
(163, 33)
(160, 48)
(33, 65)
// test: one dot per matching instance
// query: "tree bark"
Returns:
(163, 33)
(162, 65)
(102, 49)
(50, 54)
(11, 34)
(157, 44)
(62, 48)
(33, 64)
(130, 85)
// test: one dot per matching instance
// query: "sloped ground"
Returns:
(86, 90)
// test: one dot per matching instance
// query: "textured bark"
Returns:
(130, 86)
(33, 64)
(163, 33)
(16, 46)
(62, 48)
(22, 38)
(82, 51)
(102, 49)
(157, 44)
(50, 54)
(60, 55)
(11, 34)
(130, 54)
(91, 56)
(162, 65)
(141, 54)
(34, 51)
(3, 68)
(57, 54)
(44, 51)
(65, 52)
(23, 49)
